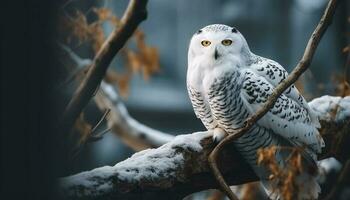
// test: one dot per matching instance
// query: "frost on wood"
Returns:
(180, 167)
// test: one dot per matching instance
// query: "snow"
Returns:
(152, 136)
(109, 91)
(163, 161)
(326, 105)
(190, 142)
(87, 182)
(326, 166)
(330, 164)
(150, 165)
(144, 166)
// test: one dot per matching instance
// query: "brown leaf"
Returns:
(103, 14)
(96, 35)
(283, 178)
(144, 59)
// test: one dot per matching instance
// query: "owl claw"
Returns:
(215, 140)
(218, 135)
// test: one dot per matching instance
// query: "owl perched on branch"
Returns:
(227, 83)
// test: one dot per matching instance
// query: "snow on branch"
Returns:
(180, 167)
(135, 134)
(154, 169)
(330, 108)
(334, 113)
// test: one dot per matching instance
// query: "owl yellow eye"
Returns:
(205, 43)
(226, 42)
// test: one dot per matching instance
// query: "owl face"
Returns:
(215, 43)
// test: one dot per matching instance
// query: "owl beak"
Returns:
(216, 54)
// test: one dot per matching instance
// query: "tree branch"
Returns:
(133, 16)
(303, 64)
(180, 167)
(133, 133)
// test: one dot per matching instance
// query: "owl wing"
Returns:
(274, 73)
(287, 117)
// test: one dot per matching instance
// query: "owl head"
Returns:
(217, 42)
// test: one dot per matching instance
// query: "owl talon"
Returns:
(215, 140)
(218, 135)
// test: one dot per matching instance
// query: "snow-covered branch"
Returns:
(181, 166)
(334, 113)
(135, 134)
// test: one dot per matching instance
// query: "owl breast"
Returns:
(217, 102)
(225, 102)
(222, 106)
(202, 81)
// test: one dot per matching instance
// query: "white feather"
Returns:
(300, 130)
(292, 92)
(249, 80)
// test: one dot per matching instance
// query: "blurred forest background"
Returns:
(154, 90)
(149, 73)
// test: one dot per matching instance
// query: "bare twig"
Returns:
(133, 16)
(98, 136)
(303, 64)
(101, 120)
(178, 169)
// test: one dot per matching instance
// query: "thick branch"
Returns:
(133, 16)
(180, 167)
(301, 67)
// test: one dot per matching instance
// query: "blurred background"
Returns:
(149, 74)
(274, 29)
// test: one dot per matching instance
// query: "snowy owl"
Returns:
(227, 83)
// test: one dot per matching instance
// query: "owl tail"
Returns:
(309, 188)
